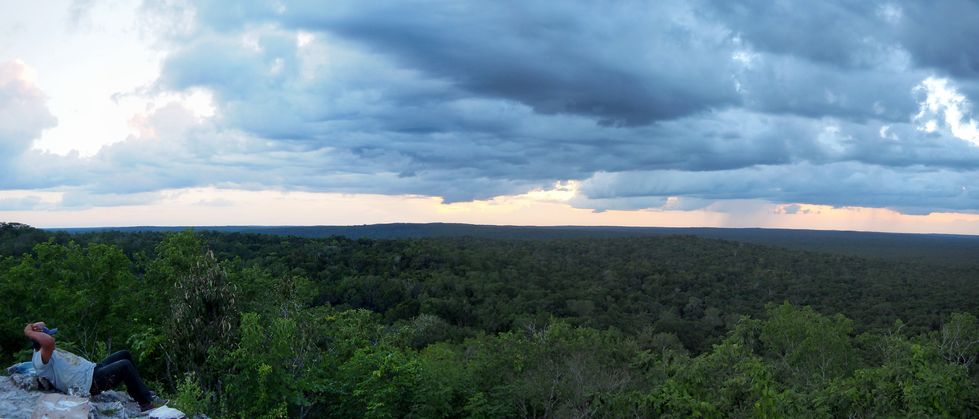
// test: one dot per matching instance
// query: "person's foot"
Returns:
(152, 404)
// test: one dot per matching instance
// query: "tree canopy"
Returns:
(241, 325)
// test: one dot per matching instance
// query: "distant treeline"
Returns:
(940, 249)
(251, 325)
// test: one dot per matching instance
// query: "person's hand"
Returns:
(37, 327)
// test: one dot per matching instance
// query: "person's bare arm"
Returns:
(33, 332)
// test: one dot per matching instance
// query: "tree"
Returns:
(204, 319)
(958, 340)
(808, 348)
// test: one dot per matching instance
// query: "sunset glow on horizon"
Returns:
(214, 207)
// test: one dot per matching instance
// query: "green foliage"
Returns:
(84, 291)
(262, 384)
(916, 382)
(426, 329)
(809, 348)
(731, 379)
(17, 239)
(442, 383)
(189, 396)
(378, 382)
(203, 319)
(800, 363)
(146, 344)
(254, 326)
(958, 339)
(551, 370)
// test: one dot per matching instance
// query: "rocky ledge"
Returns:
(17, 402)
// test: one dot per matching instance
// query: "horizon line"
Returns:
(565, 226)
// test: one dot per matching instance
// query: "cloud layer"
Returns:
(647, 104)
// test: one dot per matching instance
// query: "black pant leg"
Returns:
(118, 356)
(108, 376)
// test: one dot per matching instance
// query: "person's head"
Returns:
(37, 346)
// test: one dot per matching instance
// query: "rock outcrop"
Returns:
(21, 398)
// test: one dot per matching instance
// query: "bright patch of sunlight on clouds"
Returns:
(942, 101)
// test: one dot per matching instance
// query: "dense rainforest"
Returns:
(249, 325)
(944, 249)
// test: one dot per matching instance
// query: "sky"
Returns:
(789, 114)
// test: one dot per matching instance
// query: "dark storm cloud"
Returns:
(911, 190)
(942, 35)
(841, 33)
(621, 62)
(938, 36)
(790, 102)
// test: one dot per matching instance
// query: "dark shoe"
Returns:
(155, 403)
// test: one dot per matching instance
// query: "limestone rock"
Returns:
(21, 403)
(61, 406)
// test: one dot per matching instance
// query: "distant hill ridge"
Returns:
(946, 249)
(412, 230)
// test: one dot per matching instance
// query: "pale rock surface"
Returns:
(18, 403)
(61, 406)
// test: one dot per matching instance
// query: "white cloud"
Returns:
(24, 112)
(87, 56)
(942, 101)
(890, 12)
